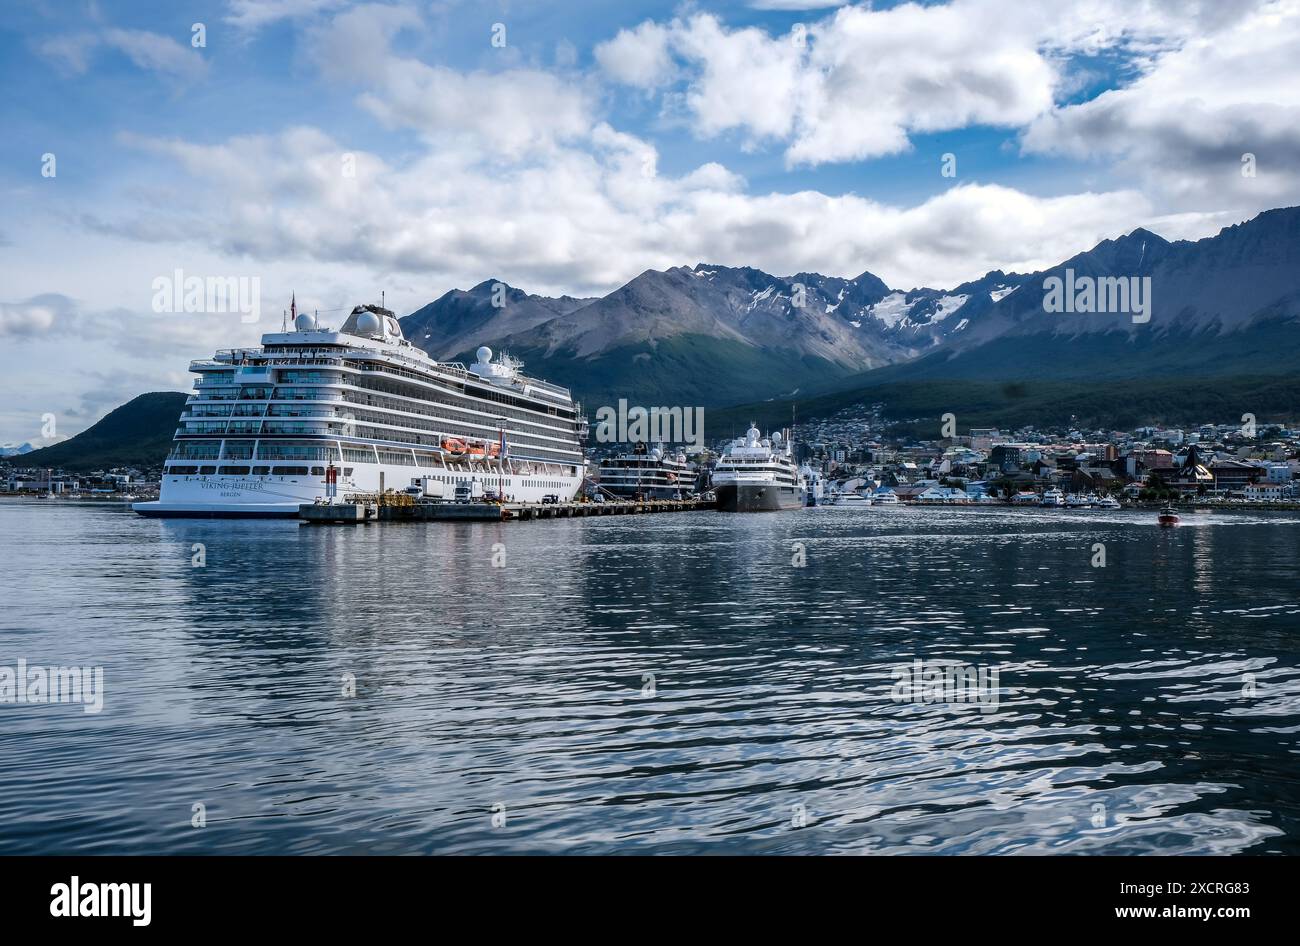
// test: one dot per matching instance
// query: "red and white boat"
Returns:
(1168, 517)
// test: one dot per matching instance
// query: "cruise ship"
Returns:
(649, 474)
(317, 412)
(758, 475)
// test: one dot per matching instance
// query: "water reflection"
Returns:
(665, 683)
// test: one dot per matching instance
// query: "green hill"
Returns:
(1111, 405)
(138, 433)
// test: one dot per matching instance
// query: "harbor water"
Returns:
(695, 682)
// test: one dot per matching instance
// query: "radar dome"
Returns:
(753, 433)
(484, 355)
(305, 322)
(369, 324)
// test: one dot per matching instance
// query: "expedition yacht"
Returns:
(650, 474)
(316, 412)
(758, 475)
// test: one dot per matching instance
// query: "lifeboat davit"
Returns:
(454, 446)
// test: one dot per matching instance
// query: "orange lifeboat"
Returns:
(476, 451)
(494, 450)
(453, 446)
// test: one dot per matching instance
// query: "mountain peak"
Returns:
(488, 285)
(1144, 235)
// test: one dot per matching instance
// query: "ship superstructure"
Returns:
(647, 473)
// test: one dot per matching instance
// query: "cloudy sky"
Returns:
(335, 151)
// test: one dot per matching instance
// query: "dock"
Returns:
(362, 512)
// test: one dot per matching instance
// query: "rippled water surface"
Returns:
(665, 683)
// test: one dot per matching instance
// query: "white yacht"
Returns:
(1108, 502)
(886, 497)
(757, 474)
(1053, 497)
(316, 412)
(852, 498)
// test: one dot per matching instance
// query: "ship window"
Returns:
(207, 470)
(347, 471)
(261, 471)
(182, 470)
(290, 471)
(233, 471)
(318, 471)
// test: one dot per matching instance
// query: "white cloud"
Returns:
(794, 4)
(252, 15)
(33, 318)
(509, 113)
(638, 56)
(587, 219)
(858, 83)
(152, 52)
(1183, 126)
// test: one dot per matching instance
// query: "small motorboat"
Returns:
(1168, 517)
(453, 446)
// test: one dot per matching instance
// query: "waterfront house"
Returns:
(945, 495)
(1263, 492)
(1232, 475)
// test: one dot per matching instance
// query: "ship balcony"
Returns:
(229, 356)
(253, 374)
(283, 395)
(280, 427)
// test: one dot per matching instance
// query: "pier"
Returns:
(364, 511)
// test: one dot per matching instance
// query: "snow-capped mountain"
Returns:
(713, 334)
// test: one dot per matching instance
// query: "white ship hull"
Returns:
(280, 496)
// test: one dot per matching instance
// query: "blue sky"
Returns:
(600, 140)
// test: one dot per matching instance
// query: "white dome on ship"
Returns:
(753, 433)
(484, 355)
(776, 437)
(305, 322)
(369, 324)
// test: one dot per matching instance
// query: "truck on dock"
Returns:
(428, 487)
(469, 491)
